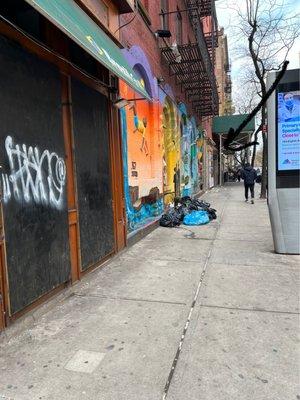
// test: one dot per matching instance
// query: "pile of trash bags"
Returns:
(189, 212)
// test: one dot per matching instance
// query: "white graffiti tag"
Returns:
(33, 176)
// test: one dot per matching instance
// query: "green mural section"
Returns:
(162, 156)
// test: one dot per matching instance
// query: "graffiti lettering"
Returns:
(33, 176)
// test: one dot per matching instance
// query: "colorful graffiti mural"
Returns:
(185, 145)
(162, 147)
(171, 153)
(200, 157)
(195, 178)
(190, 169)
(142, 160)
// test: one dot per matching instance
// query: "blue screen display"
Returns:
(288, 129)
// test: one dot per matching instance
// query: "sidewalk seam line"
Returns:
(250, 309)
(177, 354)
(240, 240)
(291, 266)
(172, 260)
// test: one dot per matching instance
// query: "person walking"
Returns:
(249, 175)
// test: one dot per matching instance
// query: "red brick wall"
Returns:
(110, 21)
(139, 33)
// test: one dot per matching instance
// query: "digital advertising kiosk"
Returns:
(283, 109)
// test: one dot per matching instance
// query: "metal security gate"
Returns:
(92, 159)
(33, 176)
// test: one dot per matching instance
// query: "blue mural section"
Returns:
(190, 180)
(185, 151)
(160, 147)
(147, 212)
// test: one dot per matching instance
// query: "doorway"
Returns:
(92, 159)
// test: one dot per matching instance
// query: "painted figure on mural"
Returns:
(186, 158)
(140, 126)
(164, 172)
(176, 180)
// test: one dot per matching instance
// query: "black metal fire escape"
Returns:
(195, 71)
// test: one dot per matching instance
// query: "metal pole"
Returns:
(220, 161)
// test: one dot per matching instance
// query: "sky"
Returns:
(227, 18)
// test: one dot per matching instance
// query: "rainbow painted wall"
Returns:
(162, 147)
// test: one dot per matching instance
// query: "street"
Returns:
(198, 313)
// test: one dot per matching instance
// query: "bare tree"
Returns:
(247, 98)
(271, 32)
(245, 101)
(241, 158)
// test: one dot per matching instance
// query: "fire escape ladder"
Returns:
(197, 10)
(192, 64)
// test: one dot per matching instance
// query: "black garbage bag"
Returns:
(198, 205)
(203, 204)
(182, 211)
(185, 199)
(184, 206)
(171, 219)
(212, 214)
(193, 206)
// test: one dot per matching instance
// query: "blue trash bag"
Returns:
(196, 218)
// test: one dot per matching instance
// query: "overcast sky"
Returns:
(227, 19)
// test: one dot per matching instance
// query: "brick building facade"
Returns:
(223, 75)
(178, 70)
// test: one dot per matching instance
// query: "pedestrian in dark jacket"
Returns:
(249, 176)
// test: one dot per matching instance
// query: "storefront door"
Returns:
(92, 160)
(33, 176)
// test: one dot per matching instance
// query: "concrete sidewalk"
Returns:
(118, 335)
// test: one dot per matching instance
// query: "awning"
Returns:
(75, 23)
(221, 125)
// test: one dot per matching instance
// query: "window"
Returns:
(164, 8)
(178, 27)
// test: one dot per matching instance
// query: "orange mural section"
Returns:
(162, 156)
(144, 156)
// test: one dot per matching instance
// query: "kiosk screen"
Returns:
(288, 130)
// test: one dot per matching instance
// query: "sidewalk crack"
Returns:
(96, 296)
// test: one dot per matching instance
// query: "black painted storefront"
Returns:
(92, 173)
(34, 179)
